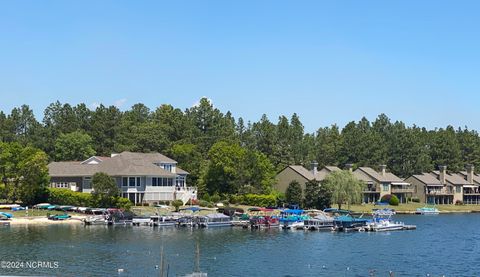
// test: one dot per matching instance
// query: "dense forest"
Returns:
(228, 155)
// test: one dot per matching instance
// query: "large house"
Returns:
(141, 177)
(301, 175)
(382, 183)
(440, 187)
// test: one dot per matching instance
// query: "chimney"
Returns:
(314, 168)
(349, 167)
(443, 173)
(470, 173)
(383, 169)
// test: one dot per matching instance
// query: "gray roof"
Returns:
(453, 179)
(125, 163)
(307, 174)
(428, 179)
(387, 178)
(476, 178)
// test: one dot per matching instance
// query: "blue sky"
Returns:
(328, 61)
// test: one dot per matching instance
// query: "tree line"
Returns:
(225, 154)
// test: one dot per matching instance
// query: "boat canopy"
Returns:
(293, 211)
(217, 215)
(333, 210)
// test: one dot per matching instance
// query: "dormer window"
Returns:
(166, 167)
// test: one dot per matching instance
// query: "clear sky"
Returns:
(328, 61)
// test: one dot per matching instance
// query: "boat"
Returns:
(264, 222)
(7, 215)
(345, 220)
(8, 206)
(292, 219)
(118, 217)
(18, 208)
(320, 222)
(426, 210)
(214, 220)
(383, 212)
(162, 221)
(186, 221)
(59, 217)
(141, 220)
(4, 221)
(95, 220)
(383, 222)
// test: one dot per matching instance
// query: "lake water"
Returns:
(442, 245)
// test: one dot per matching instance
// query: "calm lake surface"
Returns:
(442, 245)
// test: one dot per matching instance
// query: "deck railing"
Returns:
(440, 192)
(400, 190)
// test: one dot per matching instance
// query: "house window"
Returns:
(125, 181)
(170, 182)
(139, 181)
(131, 181)
(154, 182)
(385, 187)
(458, 189)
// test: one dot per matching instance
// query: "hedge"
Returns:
(81, 199)
(261, 200)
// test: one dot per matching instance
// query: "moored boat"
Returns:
(320, 222)
(214, 220)
(264, 222)
(162, 221)
(345, 220)
(382, 222)
(292, 219)
(427, 211)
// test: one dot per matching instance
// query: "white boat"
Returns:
(214, 220)
(96, 220)
(319, 222)
(140, 220)
(162, 221)
(383, 212)
(384, 224)
(427, 211)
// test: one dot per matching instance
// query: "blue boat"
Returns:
(7, 215)
(292, 218)
(345, 220)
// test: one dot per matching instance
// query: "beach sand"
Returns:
(44, 221)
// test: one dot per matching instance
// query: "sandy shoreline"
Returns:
(41, 220)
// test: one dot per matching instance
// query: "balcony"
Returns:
(402, 190)
(440, 192)
(471, 192)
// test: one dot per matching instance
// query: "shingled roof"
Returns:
(386, 178)
(307, 174)
(125, 163)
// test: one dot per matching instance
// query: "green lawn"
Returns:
(35, 212)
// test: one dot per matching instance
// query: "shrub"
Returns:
(261, 200)
(203, 203)
(390, 199)
(215, 198)
(394, 201)
(206, 197)
(68, 197)
(459, 202)
(177, 204)
(81, 199)
(236, 199)
(122, 203)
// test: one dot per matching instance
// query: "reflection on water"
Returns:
(442, 245)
